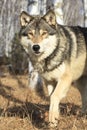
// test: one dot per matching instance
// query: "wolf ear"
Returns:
(50, 17)
(25, 18)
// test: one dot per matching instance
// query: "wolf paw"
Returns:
(52, 126)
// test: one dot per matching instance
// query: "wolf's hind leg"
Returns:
(82, 87)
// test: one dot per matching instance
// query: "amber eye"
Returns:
(30, 34)
(44, 33)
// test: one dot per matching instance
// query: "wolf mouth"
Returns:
(37, 53)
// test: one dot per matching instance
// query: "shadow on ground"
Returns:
(38, 113)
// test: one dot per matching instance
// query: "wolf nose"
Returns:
(36, 48)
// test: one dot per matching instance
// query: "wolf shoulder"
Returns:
(79, 63)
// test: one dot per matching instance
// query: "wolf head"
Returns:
(38, 34)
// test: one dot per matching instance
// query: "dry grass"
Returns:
(21, 109)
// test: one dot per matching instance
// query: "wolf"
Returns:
(59, 54)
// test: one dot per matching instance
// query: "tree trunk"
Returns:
(36, 7)
(9, 22)
(85, 8)
(73, 12)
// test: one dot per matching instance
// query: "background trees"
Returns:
(9, 22)
(69, 12)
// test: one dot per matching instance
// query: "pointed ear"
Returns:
(50, 17)
(25, 18)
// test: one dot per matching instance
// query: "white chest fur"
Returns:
(56, 73)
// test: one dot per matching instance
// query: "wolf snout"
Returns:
(36, 48)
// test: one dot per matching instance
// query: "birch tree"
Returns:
(36, 7)
(85, 12)
(73, 12)
(9, 22)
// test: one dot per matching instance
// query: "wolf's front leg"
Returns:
(33, 77)
(55, 98)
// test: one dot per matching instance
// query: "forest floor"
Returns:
(22, 109)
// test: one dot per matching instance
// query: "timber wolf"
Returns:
(59, 54)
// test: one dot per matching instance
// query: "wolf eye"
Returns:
(30, 33)
(44, 33)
